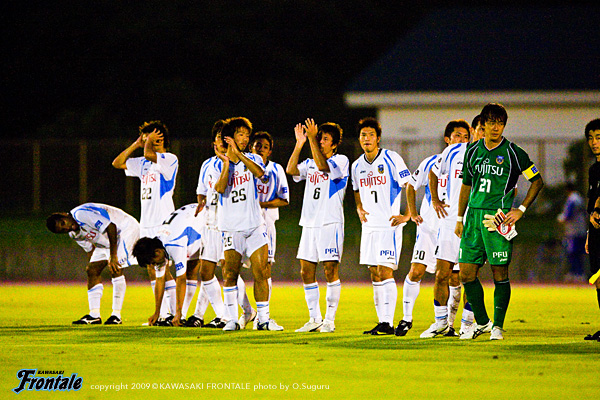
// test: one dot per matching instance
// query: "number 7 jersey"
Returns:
(379, 184)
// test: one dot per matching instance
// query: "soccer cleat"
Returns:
(194, 322)
(497, 333)
(370, 332)
(165, 321)
(403, 328)
(231, 326)
(255, 324)
(383, 328)
(113, 320)
(310, 326)
(451, 333)
(595, 336)
(327, 327)
(216, 323)
(88, 320)
(477, 330)
(270, 325)
(245, 318)
(435, 330)
(464, 328)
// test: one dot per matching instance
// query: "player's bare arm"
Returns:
(400, 218)
(463, 200)
(438, 205)
(362, 214)
(180, 287)
(234, 150)
(275, 203)
(221, 183)
(154, 138)
(515, 214)
(201, 204)
(120, 162)
(292, 165)
(412, 204)
(159, 291)
(312, 131)
(113, 262)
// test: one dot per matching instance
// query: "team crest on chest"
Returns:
(499, 160)
(380, 168)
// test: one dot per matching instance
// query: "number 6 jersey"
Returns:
(324, 191)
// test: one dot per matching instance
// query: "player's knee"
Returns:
(94, 269)
(466, 276)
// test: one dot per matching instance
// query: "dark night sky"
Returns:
(99, 68)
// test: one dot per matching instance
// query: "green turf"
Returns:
(543, 356)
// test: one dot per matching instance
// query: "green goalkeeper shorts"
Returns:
(478, 244)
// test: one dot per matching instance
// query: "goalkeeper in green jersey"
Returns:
(491, 169)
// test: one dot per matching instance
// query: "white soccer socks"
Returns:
(410, 292)
(378, 299)
(94, 297)
(171, 295)
(190, 291)
(389, 300)
(119, 287)
(332, 296)
(243, 299)
(453, 303)
(311, 294)
(230, 294)
(212, 289)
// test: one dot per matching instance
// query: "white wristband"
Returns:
(459, 219)
(522, 208)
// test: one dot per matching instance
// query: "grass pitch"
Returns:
(543, 356)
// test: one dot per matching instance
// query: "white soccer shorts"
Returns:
(130, 233)
(381, 247)
(448, 245)
(245, 242)
(325, 243)
(424, 249)
(212, 245)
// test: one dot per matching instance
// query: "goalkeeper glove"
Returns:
(494, 223)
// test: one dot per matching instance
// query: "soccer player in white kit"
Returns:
(157, 170)
(212, 239)
(449, 163)
(427, 222)
(273, 189)
(107, 234)
(322, 217)
(178, 241)
(239, 218)
(378, 177)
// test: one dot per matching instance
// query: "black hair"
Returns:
(144, 249)
(52, 220)
(493, 112)
(334, 130)
(456, 123)
(216, 129)
(476, 120)
(369, 122)
(593, 125)
(148, 127)
(262, 135)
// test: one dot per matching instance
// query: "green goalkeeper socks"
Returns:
(474, 292)
(501, 300)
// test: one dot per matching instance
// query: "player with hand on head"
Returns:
(178, 242)
(107, 234)
(446, 285)
(157, 171)
(491, 169)
(592, 243)
(378, 177)
(322, 217)
(239, 218)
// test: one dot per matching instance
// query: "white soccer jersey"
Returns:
(93, 219)
(238, 208)
(273, 185)
(209, 175)
(324, 191)
(379, 184)
(180, 234)
(450, 162)
(420, 178)
(157, 185)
